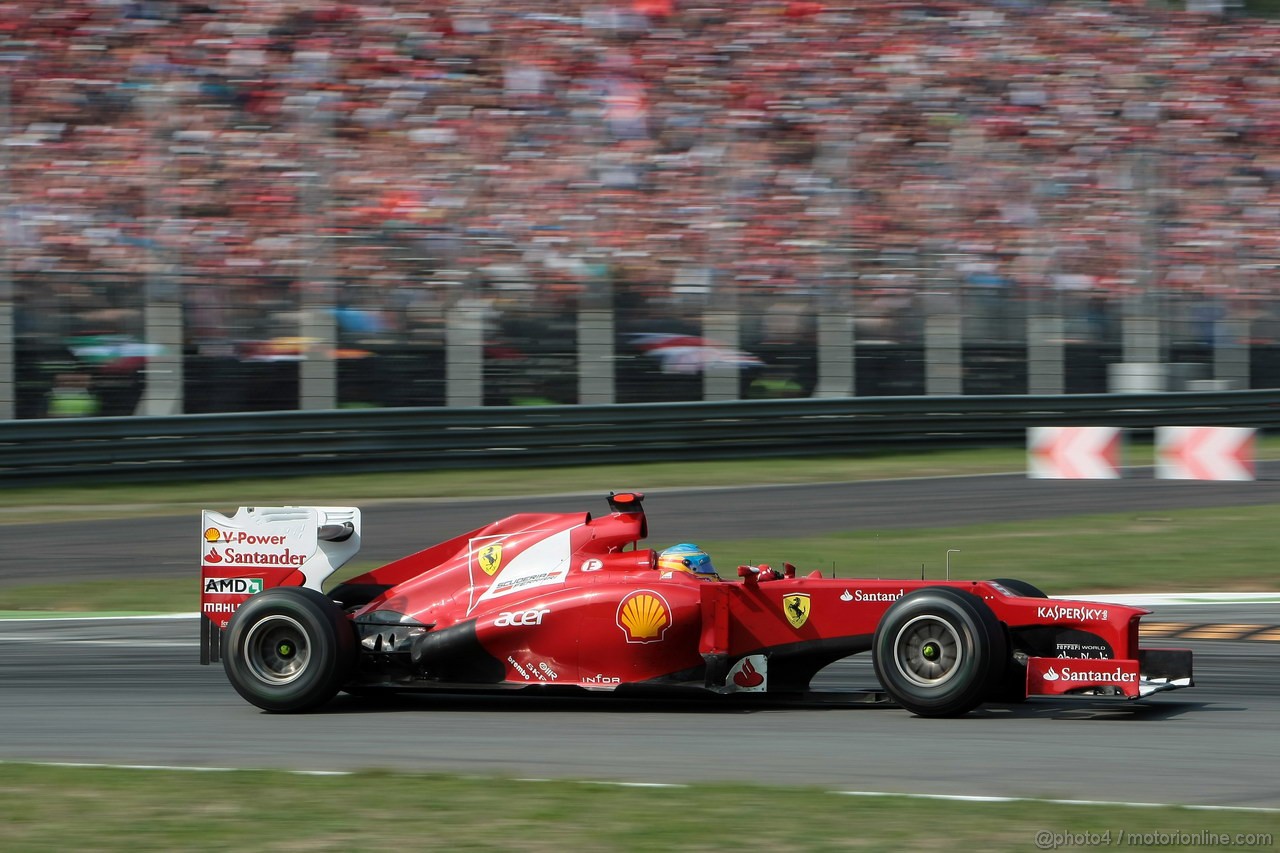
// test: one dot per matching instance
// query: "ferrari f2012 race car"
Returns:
(570, 602)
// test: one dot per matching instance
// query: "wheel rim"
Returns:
(927, 651)
(276, 650)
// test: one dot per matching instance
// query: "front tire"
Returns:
(939, 652)
(289, 649)
(1012, 687)
(1020, 587)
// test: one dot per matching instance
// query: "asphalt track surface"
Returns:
(131, 692)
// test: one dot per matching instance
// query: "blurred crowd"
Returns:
(413, 150)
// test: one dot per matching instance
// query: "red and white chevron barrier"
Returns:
(1205, 453)
(1073, 453)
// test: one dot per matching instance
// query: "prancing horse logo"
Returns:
(796, 607)
(490, 558)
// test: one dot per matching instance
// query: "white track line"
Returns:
(89, 617)
(958, 798)
(1131, 599)
(1182, 598)
(175, 768)
(91, 641)
(972, 798)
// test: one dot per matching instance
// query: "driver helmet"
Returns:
(686, 557)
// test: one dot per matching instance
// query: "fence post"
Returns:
(8, 375)
(464, 353)
(942, 344)
(1141, 335)
(835, 356)
(162, 309)
(1045, 358)
(163, 394)
(8, 405)
(595, 355)
(721, 380)
(1231, 353)
(318, 326)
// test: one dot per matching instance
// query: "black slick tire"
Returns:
(939, 652)
(1021, 588)
(289, 649)
(1012, 687)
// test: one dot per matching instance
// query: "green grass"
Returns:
(98, 500)
(52, 808)
(1183, 550)
(102, 598)
(1175, 551)
(130, 500)
(1179, 551)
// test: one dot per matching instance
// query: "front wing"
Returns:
(1154, 671)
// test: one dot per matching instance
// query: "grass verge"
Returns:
(1176, 551)
(1219, 549)
(1179, 551)
(129, 500)
(53, 808)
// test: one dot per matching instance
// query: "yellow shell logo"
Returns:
(644, 617)
(212, 535)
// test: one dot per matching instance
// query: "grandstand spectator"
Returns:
(784, 147)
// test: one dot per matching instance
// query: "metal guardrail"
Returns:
(225, 446)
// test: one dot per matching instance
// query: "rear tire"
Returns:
(289, 649)
(939, 652)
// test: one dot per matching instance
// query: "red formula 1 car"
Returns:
(565, 601)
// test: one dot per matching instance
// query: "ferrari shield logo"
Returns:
(490, 558)
(796, 607)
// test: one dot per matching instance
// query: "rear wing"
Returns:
(261, 547)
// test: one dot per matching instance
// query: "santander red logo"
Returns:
(748, 676)
(213, 556)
